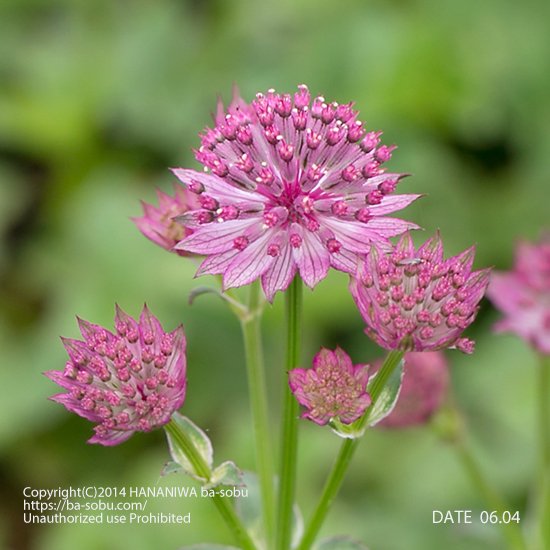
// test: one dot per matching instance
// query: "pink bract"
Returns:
(523, 294)
(291, 185)
(333, 388)
(157, 223)
(125, 382)
(415, 300)
(425, 384)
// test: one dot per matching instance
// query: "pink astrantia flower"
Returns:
(158, 224)
(523, 294)
(125, 382)
(425, 384)
(291, 185)
(333, 388)
(414, 300)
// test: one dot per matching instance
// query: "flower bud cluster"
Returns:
(125, 382)
(415, 300)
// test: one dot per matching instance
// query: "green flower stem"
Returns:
(544, 404)
(330, 490)
(203, 470)
(251, 329)
(345, 455)
(511, 531)
(289, 441)
(543, 485)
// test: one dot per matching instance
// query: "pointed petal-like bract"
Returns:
(280, 273)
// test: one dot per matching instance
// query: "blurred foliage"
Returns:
(98, 98)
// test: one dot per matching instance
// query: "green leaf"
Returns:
(208, 546)
(383, 407)
(340, 543)
(226, 473)
(250, 509)
(388, 397)
(200, 441)
(347, 431)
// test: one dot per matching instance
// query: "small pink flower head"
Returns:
(291, 185)
(333, 388)
(125, 382)
(425, 385)
(415, 300)
(523, 294)
(158, 224)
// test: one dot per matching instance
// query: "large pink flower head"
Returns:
(334, 388)
(291, 185)
(158, 224)
(523, 294)
(425, 385)
(125, 382)
(415, 300)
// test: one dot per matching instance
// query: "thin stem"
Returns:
(340, 467)
(332, 486)
(544, 411)
(542, 501)
(251, 329)
(289, 443)
(511, 531)
(203, 470)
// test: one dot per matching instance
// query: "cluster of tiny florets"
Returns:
(292, 184)
(333, 389)
(415, 300)
(159, 224)
(523, 294)
(125, 382)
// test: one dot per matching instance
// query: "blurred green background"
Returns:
(98, 99)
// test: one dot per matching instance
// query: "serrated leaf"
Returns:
(340, 543)
(226, 473)
(388, 396)
(171, 467)
(200, 441)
